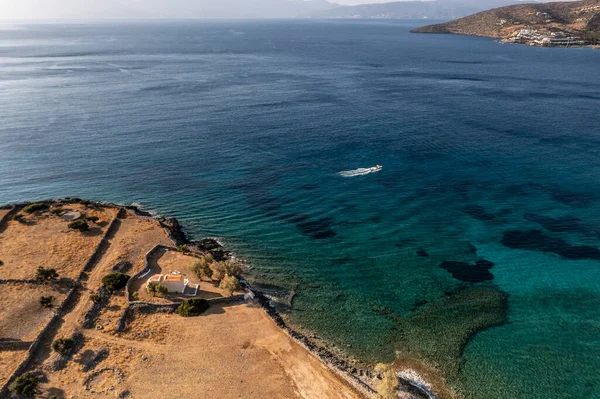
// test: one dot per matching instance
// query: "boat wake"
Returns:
(360, 171)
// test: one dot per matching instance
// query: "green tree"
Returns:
(201, 268)
(26, 385)
(388, 385)
(226, 268)
(46, 301)
(115, 281)
(193, 307)
(183, 248)
(229, 284)
(46, 274)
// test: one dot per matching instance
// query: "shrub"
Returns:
(39, 206)
(115, 281)
(387, 386)
(46, 301)
(151, 289)
(19, 218)
(229, 285)
(135, 296)
(79, 224)
(201, 268)
(46, 274)
(1, 263)
(26, 385)
(92, 219)
(64, 346)
(57, 210)
(52, 397)
(96, 298)
(161, 289)
(183, 248)
(193, 307)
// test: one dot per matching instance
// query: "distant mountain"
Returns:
(440, 9)
(545, 24)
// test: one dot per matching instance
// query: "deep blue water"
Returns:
(490, 152)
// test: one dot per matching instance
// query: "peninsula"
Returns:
(536, 24)
(102, 300)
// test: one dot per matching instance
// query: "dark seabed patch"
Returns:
(479, 213)
(536, 240)
(561, 224)
(576, 200)
(463, 271)
(318, 229)
(422, 253)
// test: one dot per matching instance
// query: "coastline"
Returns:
(362, 380)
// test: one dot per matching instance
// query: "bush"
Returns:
(201, 268)
(183, 248)
(387, 386)
(151, 289)
(161, 289)
(26, 385)
(40, 206)
(193, 307)
(1, 263)
(46, 274)
(92, 219)
(19, 218)
(135, 296)
(229, 285)
(64, 346)
(46, 301)
(79, 224)
(96, 298)
(115, 281)
(57, 210)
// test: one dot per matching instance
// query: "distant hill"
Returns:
(439, 9)
(542, 24)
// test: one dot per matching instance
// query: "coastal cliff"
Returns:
(547, 24)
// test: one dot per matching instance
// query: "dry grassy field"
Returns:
(45, 240)
(21, 314)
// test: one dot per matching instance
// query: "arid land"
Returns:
(232, 350)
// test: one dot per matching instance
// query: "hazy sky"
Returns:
(104, 9)
(90, 9)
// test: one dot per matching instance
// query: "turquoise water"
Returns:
(489, 152)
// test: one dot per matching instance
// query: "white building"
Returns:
(175, 283)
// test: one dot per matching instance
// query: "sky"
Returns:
(136, 9)
(98, 9)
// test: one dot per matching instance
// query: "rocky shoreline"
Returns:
(362, 379)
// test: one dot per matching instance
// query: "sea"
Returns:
(472, 253)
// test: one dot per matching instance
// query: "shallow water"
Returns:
(240, 130)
